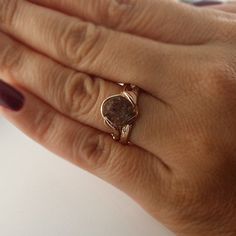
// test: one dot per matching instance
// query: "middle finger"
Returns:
(112, 55)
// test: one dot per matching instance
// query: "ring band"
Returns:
(120, 112)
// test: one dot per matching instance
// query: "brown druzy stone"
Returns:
(119, 111)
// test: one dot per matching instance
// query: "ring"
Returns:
(120, 112)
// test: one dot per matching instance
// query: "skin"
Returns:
(181, 167)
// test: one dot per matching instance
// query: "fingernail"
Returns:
(206, 3)
(10, 98)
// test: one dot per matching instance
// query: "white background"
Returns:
(43, 195)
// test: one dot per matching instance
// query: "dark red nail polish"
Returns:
(206, 3)
(10, 97)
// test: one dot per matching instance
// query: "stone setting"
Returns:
(119, 111)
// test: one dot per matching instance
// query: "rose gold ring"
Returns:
(120, 112)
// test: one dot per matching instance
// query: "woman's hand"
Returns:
(182, 166)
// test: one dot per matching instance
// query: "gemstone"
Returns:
(119, 111)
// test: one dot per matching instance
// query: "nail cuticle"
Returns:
(10, 98)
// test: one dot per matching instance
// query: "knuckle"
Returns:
(8, 9)
(109, 160)
(224, 27)
(81, 95)
(98, 154)
(226, 33)
(222, 77)
(79, 43)
(119, 12)
(219, 76)
(96, 151)
(44, 126)
(10, 56)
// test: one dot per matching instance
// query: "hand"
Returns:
(182, 166)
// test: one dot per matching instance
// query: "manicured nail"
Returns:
(10, 98)
(206, 3)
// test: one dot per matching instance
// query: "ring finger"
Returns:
(79, 96)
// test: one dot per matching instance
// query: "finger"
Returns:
(165, 20)
(79, 96)
(129, 168)
(94, 50)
